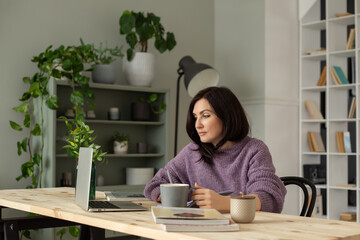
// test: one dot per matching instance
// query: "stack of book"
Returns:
(348, 216)
(174, 219)
(343, 142)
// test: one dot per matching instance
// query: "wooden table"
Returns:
(59, 203)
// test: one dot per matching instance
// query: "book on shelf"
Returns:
(348, 216)
(231, 226)
(343, 14)
(315, 51)
(322, 79)
(352, 108)
(338, 75)
(316, 143)
(347, 142)
(343, 142)
(313, 109)
(351, 40)
(187, 216)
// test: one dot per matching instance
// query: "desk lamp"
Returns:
(197, 76)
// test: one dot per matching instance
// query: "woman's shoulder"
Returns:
(250, 144)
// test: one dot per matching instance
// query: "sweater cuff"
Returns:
(266, 202)
(155, 193)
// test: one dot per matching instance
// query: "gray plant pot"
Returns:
(104, 73)
(140, 111)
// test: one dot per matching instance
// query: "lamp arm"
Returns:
(181, 73)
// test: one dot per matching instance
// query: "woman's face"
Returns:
(207, 124)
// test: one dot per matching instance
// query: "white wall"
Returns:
(258, 60)
(28, 27)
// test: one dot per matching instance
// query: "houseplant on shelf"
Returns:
(120, 143)
(138, 29)
(140, 111)
(103, 70)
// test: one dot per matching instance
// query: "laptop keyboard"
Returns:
(101, 204)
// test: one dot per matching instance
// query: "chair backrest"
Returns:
(307, 208)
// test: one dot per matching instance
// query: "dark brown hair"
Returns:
(228, 109)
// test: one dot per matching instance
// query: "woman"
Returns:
(221, 157)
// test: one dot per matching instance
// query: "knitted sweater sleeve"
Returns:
(263, 181)
(177, 169)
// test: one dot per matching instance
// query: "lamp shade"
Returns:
(197, 76)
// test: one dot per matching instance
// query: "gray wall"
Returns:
(253, 44)
(28, 27)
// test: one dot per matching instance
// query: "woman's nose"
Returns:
(198, 124)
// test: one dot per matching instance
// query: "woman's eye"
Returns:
(206, 115)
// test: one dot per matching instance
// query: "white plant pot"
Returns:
(121, 147)
(140, 71)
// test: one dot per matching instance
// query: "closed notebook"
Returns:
(187, 216)
(231, 226)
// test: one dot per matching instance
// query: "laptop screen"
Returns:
(83, 177)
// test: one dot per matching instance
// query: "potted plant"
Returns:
(80, 135)
(138, 28)
(141, 110)
(103, 70)
(120, 143)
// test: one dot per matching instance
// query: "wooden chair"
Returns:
(307, 208)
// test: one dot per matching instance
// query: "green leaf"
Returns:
(24, 107)
(127, 22)
(18, 148)
(67, 64)
(26, 233)
(61, 232)
(131, 39)
(15, 126)
(129, 54)
(24, 144)
(170, 41)
(74, 231)
(36, 130)
(25, 96)
(37, 159)
(26, 80)
(27, 169)
(27, 120)
(77, 98)
(35, 89)
(153, 97)
(52, 102)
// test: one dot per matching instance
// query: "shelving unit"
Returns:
(319, 28)
(153, 132)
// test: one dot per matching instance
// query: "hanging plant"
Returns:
(62, 62)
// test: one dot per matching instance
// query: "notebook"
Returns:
(83, 189)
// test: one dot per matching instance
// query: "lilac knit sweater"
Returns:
(246, 167)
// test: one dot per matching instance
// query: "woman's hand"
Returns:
(210, 199)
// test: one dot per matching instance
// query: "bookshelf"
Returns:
(324, 43)
(113, 170)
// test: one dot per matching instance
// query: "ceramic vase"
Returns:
(140, 71)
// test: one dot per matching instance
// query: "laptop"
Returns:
(83, 189)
